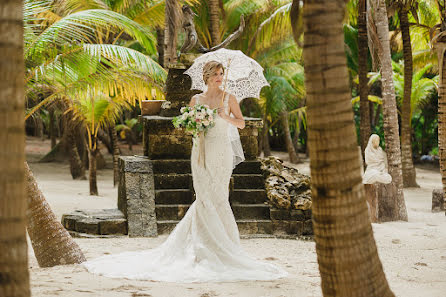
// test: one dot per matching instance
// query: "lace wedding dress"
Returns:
(205, 244)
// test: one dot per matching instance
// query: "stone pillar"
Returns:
(136, 195)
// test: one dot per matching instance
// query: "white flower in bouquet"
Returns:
(196, 119)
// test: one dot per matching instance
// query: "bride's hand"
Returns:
(221, 112)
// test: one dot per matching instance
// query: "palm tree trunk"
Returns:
(390, 116)
(364, 108)
(442, 115)
(92, 172)
(14, 276)
(214, 18)
(160, 45)
(346, 250)
(265, 133)
(288, 141)
(77, 169)
(170, 32)
(409, 175)
(52, 244)
(116, 153)
(52, 129)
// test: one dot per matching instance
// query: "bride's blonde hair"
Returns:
(210, 68)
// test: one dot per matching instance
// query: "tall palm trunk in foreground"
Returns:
(391, 130)
(14, 277)
(346, 250)
(52, 244)
(409, 175)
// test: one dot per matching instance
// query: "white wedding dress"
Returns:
(205, 244)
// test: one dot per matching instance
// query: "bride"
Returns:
(205, 244)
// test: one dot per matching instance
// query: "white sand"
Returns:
(413, 253)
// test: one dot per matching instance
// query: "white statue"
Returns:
(376, 160)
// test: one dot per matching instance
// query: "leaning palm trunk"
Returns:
(409, 175)
(14, 276)
(364, 109)
(214, 17)
(288, 141)
(52, 244)
(390, 116)
(346, 250)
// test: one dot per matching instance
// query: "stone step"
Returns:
(173, 181)
(241, 211)
(182, 166)
(186, 196)
(174, 196)
(184, 181)
(96, 221)
(247, 196)
(171, 166)
(251, 211)
(248, 167)
(244, 226)
(248, 181)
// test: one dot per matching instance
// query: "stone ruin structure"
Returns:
(155, 190)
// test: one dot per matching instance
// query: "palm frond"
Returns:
(82, 27)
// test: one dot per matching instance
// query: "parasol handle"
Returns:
(226, 79)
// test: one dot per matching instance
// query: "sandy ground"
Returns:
(413, 253)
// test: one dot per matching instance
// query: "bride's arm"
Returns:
(234, 108)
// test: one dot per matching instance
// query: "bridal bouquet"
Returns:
(195, 119)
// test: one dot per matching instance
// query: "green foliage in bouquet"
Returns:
(195, 119)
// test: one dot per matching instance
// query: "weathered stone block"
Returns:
(297, 215)
(307, 214)
(295, 227)
(108, 227)
(308, 228)
(250, 146)
(69, 221)
(437, 200)
(279, 214)
(88, 225)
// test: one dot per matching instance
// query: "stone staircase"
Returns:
(174, 194)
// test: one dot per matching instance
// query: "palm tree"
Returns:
(13, 246)
(214, 18)
(439, 41)
(346, 250)
(52, 243)
(404, 7)
(364, 127)
(96, 112)
(391, 131)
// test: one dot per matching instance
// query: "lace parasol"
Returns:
(243, 75)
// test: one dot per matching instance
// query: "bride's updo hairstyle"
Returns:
(210, 68)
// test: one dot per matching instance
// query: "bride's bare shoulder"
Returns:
(194, 100)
